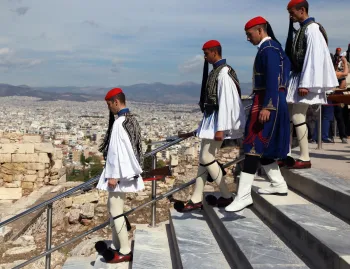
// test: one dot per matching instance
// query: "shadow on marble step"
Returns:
(79, 263)
(248, 242)
(324, 188)
(195, 244)
(321, 237)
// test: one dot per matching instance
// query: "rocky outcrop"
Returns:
(26, 164)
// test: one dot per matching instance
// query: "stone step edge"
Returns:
(271, 213)
(174, 248)
(232, 252)
(335, 199)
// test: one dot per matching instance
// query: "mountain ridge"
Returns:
(183, 93)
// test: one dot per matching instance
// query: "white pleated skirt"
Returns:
(125, 184)
(314, 97)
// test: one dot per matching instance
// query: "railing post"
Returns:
(48, 235)
(319, 138)
(154, 193)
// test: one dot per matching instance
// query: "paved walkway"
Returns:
(332, 158)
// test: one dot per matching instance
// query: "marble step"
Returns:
(320, 236)
(79, 262)
(195, 244)
(324, 188)
(248, 242)
(151, 248)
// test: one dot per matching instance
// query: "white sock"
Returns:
(197, 195)
(299, 117)
(207, 155)
(116, 207)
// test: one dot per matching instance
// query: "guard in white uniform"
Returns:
(223, 118)
(312, 73)
(122, 173)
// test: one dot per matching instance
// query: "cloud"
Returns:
(4, 51)
(21, 10)
(9, 61)
(192, 65)
(91, 23)
(116, 65)
(139, 41)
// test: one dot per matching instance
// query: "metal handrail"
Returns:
(101, 226)
(87, 183)
(81, 186)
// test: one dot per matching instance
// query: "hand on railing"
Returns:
(187, 135)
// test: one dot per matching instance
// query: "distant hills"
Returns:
(184, 93)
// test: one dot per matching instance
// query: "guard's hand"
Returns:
(219, 136)
(264, 116)
(303, 91)
(112, 183)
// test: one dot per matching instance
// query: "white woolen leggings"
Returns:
(297, 113)
(207, 154)
(120, 237)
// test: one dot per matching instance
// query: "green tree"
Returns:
(96, 166)
(160, 164)
(82, 159)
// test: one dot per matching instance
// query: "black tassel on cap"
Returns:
(104, 145)
(270, 32)
(204, 83)
(289, 42)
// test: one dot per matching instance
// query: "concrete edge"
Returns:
(314, 250)
(177, 262)
(232, 252)
(336, 200)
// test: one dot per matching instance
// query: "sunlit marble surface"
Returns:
(151, 249)
(197, 245)
(260, 245)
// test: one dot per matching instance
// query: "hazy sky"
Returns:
(116, 42)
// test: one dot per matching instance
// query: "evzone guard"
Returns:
(223, 118)
(312, 74)
(267, 129)
(121, 174)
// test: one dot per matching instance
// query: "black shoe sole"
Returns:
(278, 194)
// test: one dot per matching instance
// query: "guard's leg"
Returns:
(291, 128)
(243, 197)
(116, 207)
(299, 121)
(208, 164)
(278, 184)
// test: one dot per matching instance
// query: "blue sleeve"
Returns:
(271, 60)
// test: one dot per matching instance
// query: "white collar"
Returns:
(262, 41)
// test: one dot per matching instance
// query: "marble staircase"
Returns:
(309, 228)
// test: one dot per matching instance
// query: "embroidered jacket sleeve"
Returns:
(271, 61)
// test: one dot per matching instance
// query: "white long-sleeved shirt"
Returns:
(230, 117)
(121, 162)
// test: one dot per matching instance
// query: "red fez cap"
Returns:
(254, 22)
(338, 49)
(293, 3)
(211, 44)
(112, 93)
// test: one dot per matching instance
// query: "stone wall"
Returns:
(27, 163)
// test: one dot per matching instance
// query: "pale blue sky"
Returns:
(116, 42)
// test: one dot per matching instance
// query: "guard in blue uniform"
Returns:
(267, 129)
